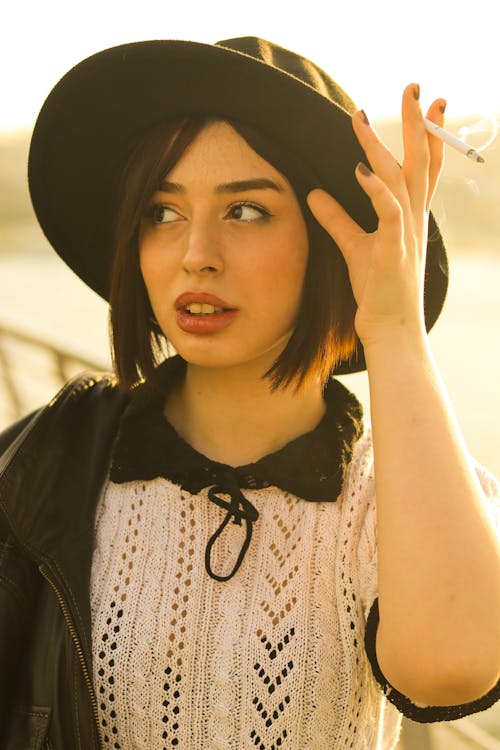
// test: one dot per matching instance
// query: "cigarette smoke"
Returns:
(483, 132)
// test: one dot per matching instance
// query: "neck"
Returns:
(231, 415)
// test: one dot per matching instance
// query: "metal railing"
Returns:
(34, 365)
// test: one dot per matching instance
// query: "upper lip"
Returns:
(187, 298)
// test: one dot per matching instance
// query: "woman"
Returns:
(210, 553)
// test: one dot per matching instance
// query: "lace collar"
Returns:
(312, 466)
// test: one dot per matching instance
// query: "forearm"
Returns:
(439, 562)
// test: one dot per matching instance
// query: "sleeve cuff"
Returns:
(423, 714)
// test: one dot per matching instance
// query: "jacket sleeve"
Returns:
(17, 597)
(14, 430)
(18, 589)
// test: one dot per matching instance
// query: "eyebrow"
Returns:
(238, 186)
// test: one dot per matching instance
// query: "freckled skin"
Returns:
(253, 259)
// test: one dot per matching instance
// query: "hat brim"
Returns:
(89, 120)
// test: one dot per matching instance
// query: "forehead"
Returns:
(219, 151)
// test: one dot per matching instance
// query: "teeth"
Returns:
(199, 308)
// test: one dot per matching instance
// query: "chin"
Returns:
(227, 351)
(226, 358)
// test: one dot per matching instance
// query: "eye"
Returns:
(248, 212)
(160, 214)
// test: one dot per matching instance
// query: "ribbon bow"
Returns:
(239, 509)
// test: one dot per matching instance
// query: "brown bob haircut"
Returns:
(324, 331)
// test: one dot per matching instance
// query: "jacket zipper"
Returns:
(78, 646)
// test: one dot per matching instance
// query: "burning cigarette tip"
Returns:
(453, 141)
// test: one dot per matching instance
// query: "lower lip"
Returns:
(204, 324)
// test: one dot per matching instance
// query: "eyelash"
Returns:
(264, 213)
(152, 211)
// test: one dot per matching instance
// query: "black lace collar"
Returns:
(312, 466)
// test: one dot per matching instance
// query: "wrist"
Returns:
(397, 347)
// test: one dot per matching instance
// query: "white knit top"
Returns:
(274, 658)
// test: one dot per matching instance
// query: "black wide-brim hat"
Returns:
(90, 119)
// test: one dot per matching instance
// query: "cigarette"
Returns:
(453, 141)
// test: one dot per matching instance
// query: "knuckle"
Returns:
(395, 212)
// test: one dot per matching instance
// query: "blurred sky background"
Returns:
(371, 48)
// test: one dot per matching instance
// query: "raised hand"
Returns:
(386, 267)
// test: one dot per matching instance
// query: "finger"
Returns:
(416, 150)
(436, 147)
(335, 220)
(380, 158)
(387, 207)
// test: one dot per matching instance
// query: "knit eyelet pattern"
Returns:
(271, 658)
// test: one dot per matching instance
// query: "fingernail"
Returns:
(442, 107)
(364, 169)
(364, 117)
(416, 92)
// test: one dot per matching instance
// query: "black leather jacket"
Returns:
(52, 466)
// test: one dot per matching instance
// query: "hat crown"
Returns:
(292, 64)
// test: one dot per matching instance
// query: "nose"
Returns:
(202, 253)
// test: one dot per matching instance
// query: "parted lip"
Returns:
(187, 298)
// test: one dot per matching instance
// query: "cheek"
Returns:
(153, 266)
(294, 260)
(281, 283)
(145, 256)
